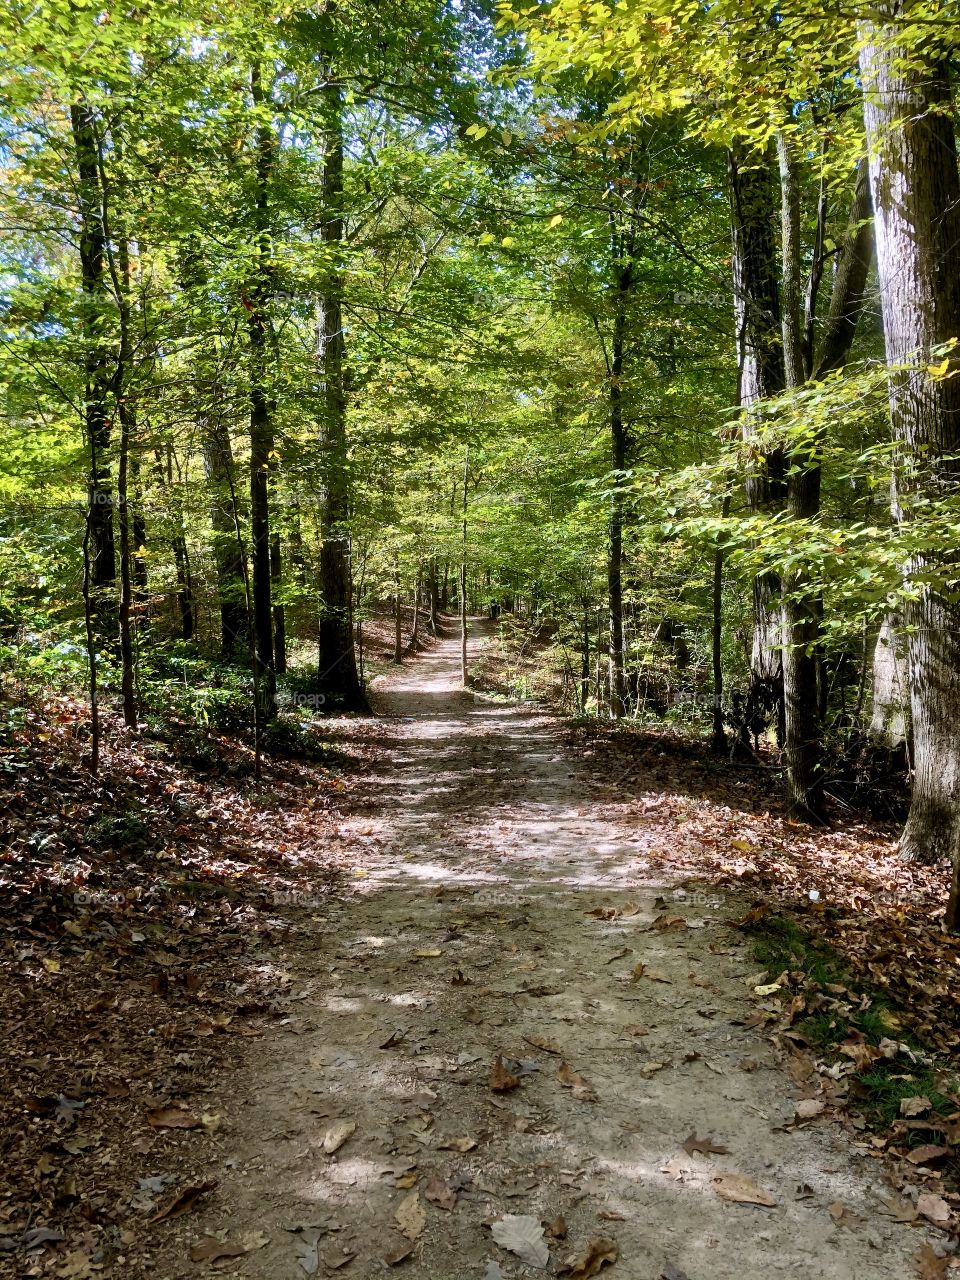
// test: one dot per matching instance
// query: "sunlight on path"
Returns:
(502, 914)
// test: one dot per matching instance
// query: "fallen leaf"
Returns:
(440, 1193)
(929, 1266)
(398, 1255)
(410, 1216)
(704, 1146)
(666, 923)
(741, 1190)
(522, 1235)
(182, 1202)
(463, 1145)
(807, 1108)
(575, 1082)
(502, 1080)
(934, 1208)
(597, 1254)
(210, 1249)
(172, 1118)
(557, 1227)
(923, 1155)
(899, 1209)
(428, 953)
(337, 1135)
(914, 1106)
(548, 1046)
(670, 1272)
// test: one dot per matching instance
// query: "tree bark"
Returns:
(92, 246)
(279, 613)
(916, 197)
(803, 686)
(890, 693)
(339, 678)
(261, 421)
(623, 283)
(756, 306)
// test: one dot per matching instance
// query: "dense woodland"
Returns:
(632, 323)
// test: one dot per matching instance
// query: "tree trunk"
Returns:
(261, 422)
(339, 678)
(890, 694)
(803, 683)
(719, 739)
(279, 613)
(92, 246)
(618, 442)
(228, 557)
(127, 415)
(181, 560)
(463, 574)
(756, 305)
(916, 197)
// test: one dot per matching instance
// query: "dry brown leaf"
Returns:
(463, 1145)
(210, 1249)
(934, 1208)
(398, 1255)
(548, 1046)
(929, 1266)
(597, 1254)
(575, 1082)
(502, 1080)
(440, 1193)
(172, 1118)
(666, 923)
(808, 1108)
(705, 1146)
(923, 1155)
(556, 1228)
(914, 1106)
(740, 1189)
(337, 1135)
(182, 1202)
(410, 1216)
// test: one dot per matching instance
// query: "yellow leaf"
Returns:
(508, 242)
(486, 238)
(938, 370)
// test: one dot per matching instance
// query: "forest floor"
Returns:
(491, 1027)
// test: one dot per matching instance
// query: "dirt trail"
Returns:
(484, 860)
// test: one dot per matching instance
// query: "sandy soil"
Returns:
(468, 935)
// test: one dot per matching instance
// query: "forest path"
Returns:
(468, 935)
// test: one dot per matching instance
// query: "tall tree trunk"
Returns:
(279, 613)
(890, 692)
(463, 573)
(719, 739)
(181, 560)
(218, 467)
(92, 247)
(618, 441)
(756, 306)
(339, 677)
(916, 197)
(397, 617)
(126, 412)
(261, 420)
(803, 684)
